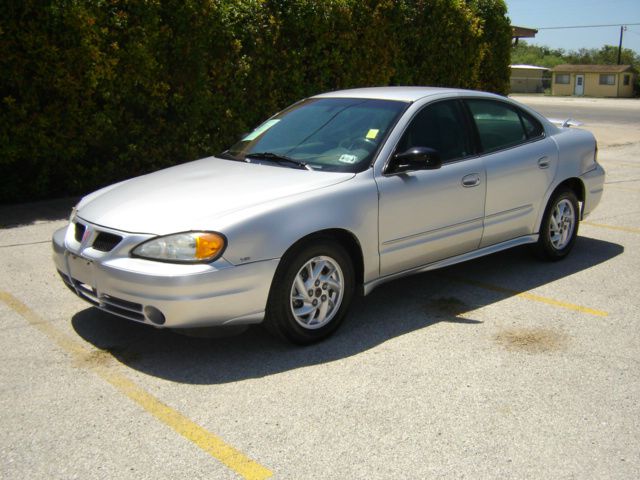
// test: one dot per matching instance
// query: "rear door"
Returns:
(520, 166)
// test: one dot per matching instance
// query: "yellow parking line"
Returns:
(612, 227)
(207, 441)
(531, 296)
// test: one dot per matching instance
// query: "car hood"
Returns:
(191, 195)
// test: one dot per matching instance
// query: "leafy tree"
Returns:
(525, 54)
(496, 38)
(607, 55)
(543, 56)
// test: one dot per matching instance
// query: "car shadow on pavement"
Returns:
(392, 310)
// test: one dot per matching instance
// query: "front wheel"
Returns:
(559, 227)
(311, 292)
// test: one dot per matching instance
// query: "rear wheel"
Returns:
(311, 292)
(559, 227)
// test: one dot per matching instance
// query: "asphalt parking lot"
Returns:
(504, 367)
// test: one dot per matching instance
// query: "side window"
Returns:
(439, 126)
(532, 127)
(502, 126)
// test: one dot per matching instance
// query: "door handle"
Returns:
(471, 180)
(543, 163)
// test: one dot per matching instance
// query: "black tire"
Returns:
(549, 247)
(280, 318)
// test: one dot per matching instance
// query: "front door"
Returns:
(579, 88)
(429, 215)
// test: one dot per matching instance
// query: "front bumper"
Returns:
(186, 295)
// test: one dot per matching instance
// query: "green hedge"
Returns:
(96, 91)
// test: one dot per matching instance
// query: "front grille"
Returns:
(123, 308)
(114, 305)
(87, 292)
(105, 242)
(79, 232)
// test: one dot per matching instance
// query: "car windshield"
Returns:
(333, 134)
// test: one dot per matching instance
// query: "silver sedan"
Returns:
(333, 196)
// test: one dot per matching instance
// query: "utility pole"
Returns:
(622, 29)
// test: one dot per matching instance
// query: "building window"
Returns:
(627, 79)
(562, 78)
(607, 79)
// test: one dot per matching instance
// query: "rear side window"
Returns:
(502, 126)
(532, 127)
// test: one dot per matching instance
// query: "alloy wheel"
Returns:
(561, 224)
(317, 292)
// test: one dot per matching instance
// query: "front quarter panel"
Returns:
(268, 231)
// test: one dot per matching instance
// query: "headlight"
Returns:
(187, 247)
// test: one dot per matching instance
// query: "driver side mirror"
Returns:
(416, 158)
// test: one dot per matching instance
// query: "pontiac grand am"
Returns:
(331, 197)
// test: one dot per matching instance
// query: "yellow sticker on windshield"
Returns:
(372, 134)
(260, 130)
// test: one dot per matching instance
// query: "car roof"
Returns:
(403, 94)
(413, 94)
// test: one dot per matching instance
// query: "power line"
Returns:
(586, 26)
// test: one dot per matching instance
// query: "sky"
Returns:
(562, 13)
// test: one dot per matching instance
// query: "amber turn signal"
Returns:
(208, 245)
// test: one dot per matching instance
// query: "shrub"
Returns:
(93, 92)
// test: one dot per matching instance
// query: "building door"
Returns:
(579, 88)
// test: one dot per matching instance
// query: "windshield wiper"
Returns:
(274, 157)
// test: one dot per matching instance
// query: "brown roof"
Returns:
(591, 68)
(523, 32)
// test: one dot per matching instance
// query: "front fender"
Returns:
(268, 231)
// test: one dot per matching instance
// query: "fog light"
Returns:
(154, 315)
